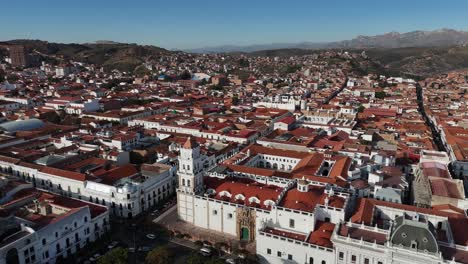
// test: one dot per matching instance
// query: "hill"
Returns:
(121, 56)
(418, 61)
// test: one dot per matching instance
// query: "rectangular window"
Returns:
(291, 223)
(366, 261)
(290, 257)
(341, 255)
(353, 259)
(268, 251)
(278, 254)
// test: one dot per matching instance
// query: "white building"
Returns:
(50, 227)
(256, 211)
(125, 190)
(284, 101)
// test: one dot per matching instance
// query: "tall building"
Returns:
(190, 178)
(19, 56)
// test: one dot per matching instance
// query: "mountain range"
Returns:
(419, 38)
(419, 53)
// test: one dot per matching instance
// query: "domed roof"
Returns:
(416, 233)
(22, 125)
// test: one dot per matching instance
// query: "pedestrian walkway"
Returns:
(166, 213)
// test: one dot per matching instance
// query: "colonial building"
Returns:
(41, 227)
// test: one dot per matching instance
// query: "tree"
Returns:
(380, 95)
(244, 62)
(361, 109)
(115, 256)
(195, 258)
(185, 75)
(203, 82)
(159, 255)
(12, 78)
(235, 100)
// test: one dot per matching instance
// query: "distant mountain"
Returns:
(259, 47)
(105, 42)
(435, 38)
(121, 56)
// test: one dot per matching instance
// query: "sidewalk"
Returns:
(166, 213)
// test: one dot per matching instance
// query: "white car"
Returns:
(151, 236)
(205, 251)
(155, 212)
(230, 261)
(112, 245)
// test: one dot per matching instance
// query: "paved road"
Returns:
(131, 233)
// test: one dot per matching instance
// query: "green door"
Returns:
(245, 233)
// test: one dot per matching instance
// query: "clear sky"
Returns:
(190, 24)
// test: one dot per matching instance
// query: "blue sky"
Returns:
(190, 24)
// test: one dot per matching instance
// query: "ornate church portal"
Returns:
(245, 224)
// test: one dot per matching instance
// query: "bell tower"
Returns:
(190, 167)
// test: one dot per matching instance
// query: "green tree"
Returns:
(244, 62)
(214, 261)
(235, 100)
(380, 95)
(195, 258)
(185, 75)
(12, 78)
(159, 255)
(361, 109)
(115, 256)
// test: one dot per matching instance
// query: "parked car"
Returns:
(151, 236)
(231, 261)
(155, 212)
(144, 249)
(112, 244)
(206, 251)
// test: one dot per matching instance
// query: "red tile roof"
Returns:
(245, 187)
(306, 201)
(113, 175)
(64, 173)
(322, 234)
